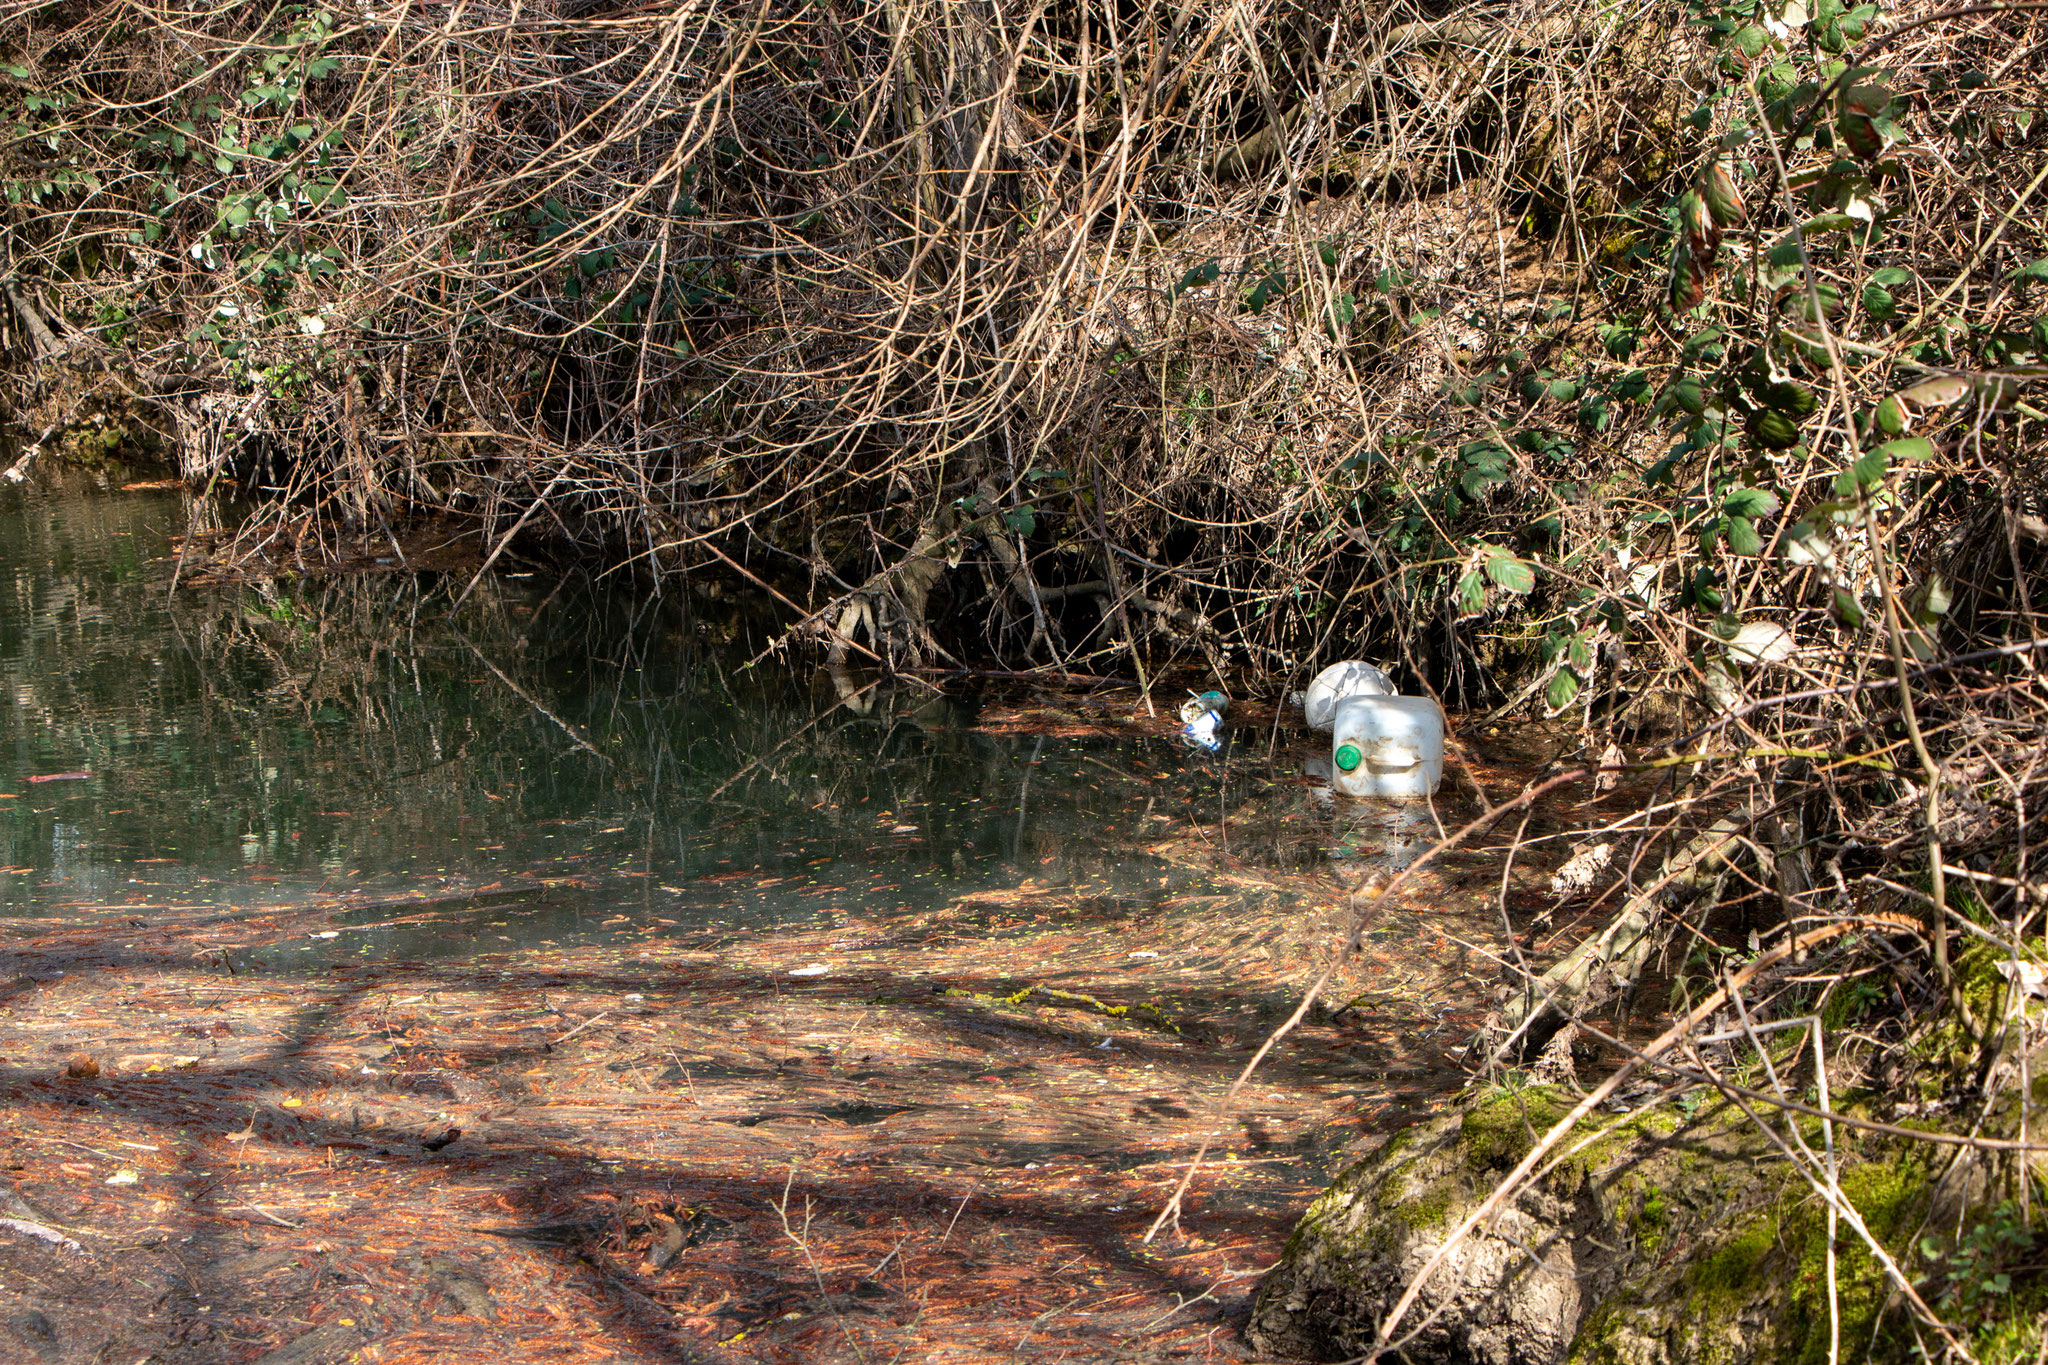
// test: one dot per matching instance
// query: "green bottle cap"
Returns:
(1348, 758)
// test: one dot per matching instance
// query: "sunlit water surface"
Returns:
(585, 755)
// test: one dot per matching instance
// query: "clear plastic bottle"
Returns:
(1387, 746)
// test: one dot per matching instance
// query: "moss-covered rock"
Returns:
(1663, 1240)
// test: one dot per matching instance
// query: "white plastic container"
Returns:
(1352, 678)
(1387, 746)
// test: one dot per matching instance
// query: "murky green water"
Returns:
(264, 744)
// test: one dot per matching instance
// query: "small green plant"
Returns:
(1974, 1280)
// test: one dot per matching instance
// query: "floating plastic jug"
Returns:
(1387, 746)
(1352, 678)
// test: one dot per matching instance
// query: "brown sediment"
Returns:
(946, 1146)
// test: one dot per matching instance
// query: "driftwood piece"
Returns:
(1609, 963)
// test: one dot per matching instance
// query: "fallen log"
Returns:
(1607, 964)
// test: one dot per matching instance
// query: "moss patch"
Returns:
(1500, 1129)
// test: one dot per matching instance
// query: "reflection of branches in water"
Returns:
(350, 722)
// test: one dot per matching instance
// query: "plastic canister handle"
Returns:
(1347, 757)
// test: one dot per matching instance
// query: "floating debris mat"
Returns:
(936, 1136)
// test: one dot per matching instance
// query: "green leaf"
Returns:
(1879, 303)
(1848, 609)
(1023, 520)
(1617, 339)
(2036, 271)
(1205, 273)
(1511, 574)
(224, 163)
(1755, 503)
(1564, 686)
(1888, 418)
(1742, 535)
(1686, 393)
(1471, 593)
(1905, 448)
(1868, 472)
(1750, 40)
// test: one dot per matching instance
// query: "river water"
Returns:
(577, 751)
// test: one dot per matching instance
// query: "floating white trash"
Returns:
(1352, 678)
(1387, 746)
